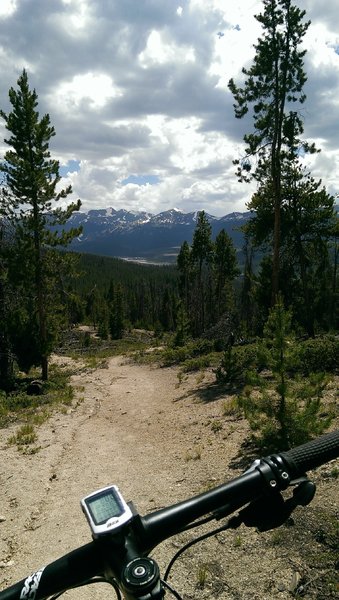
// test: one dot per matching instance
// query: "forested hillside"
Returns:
(109, 289)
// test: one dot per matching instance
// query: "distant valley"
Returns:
(145, 237)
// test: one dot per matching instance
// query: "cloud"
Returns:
(139, 89)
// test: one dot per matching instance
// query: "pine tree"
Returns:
(182, 326)
(273, 83)
(290, 412)
(225, 270)
(116, 322)
(201, 261)
(184, 267)
(247, 304)
(307, 224)
(28, 201)
(6, 355)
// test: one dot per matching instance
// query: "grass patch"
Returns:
(202, 575)
(216, 426)
(36, 409)
(194, 454)
(97, 354)
(25, 436)
(230, 407)
(101, 349)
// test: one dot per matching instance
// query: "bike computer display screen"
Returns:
(106, 510)
(104, 506)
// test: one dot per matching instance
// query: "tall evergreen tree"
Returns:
(201, 261)
(225, 269)
(28, 200)
(273, 83)
(307, 224)
(117, 314)
(6, 355)
(184, 267)
(247, 304)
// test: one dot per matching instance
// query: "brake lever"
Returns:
(272, 510)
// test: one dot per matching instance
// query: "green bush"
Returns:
(196, 364)
(18, 400)
(202, 346)
(237, 361)
(230, 370)
(314, 355)
(177, 355)
(284, 412)
(303, 416)
(172, 356)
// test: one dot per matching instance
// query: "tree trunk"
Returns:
(44, 368)
(6, 360)
(39, 283)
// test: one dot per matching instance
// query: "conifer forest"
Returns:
(288, 271)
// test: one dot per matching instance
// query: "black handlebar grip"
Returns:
(312, 454)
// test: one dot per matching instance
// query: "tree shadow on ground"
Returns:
(215, 391)
(206, 394)
(248, 452)
(210, 392)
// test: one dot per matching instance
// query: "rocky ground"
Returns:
(160, 441)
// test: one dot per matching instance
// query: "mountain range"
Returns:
(143, 236)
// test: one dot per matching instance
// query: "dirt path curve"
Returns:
(134, 427)
(160, 442)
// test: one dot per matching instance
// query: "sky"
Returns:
(137, 93)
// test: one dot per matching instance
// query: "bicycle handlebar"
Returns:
(111, 554)
(64, 573)
(312, 454)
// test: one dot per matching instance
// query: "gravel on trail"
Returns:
(160, 440)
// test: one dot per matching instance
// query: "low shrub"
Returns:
(303, 414)
(194, 349)
(196, 364)
(237, 361)
(20, 404)
(313, 355)
(284, 412)
(24, 436)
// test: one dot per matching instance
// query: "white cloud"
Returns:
(140, 88)
(94, 88)
(7, 8)
(161, 51)
(78, 16)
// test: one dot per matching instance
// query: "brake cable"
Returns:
(192, 543)
(266, 512)
(89, 582)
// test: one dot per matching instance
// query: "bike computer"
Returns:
(106, 511)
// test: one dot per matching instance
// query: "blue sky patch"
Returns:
(141, 179)
(73, 166)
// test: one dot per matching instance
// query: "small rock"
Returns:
(4, 564)
(2, 518)
(296, 578)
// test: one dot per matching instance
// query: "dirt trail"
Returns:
(137, 428)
